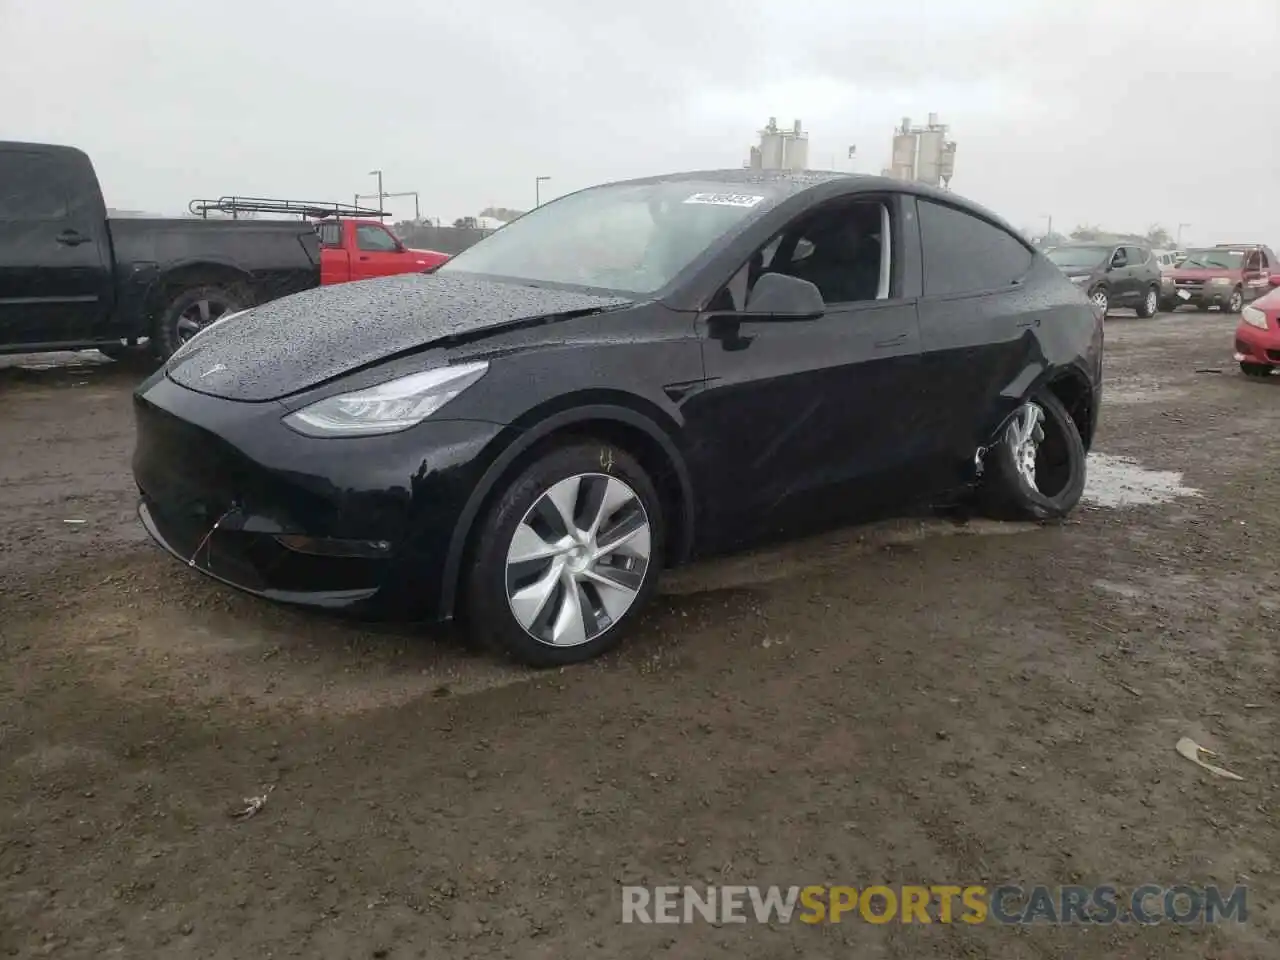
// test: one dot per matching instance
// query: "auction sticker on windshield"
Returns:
(726, 199)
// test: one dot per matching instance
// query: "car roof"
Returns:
(796, 182)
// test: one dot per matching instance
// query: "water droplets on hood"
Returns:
(289, 344)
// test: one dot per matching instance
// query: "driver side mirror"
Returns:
(784, 297)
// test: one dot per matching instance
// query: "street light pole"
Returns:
(381, 195)
(537, 190)
(1048, 232)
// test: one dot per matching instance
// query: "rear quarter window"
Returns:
(966, 254)
(330, 234)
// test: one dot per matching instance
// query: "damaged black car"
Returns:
(624, 379)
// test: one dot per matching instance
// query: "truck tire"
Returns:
(190, 310)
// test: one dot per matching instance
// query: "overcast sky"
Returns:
(1122, 113)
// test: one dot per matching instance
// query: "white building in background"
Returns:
(923, 154)
(780, 149)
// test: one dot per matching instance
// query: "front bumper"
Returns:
(360, 525)
(1254, 345)
(1202, 295)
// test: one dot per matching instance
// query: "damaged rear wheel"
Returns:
(1037, 469)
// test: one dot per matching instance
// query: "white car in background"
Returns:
(1168, 259)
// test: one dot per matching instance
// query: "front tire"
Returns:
(1037, 469)
(191, 310)
(1101, 300)
(1150, 303)
(566, 557)
(1235, 303)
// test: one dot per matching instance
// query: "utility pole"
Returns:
(378, 174)
(417, 211)
(537, 190)
(1048, 230)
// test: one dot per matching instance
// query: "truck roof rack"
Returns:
(296, 208)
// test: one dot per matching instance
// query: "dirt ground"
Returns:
(917, 702)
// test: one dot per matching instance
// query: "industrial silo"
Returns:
(903, 164)
(773, 149)
(947, 163)
(929, 156)
(797, 149)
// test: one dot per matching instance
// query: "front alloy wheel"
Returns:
(566, 556)
(1150, 304)
(1236, 303)
(1101, 302)
(578, 559)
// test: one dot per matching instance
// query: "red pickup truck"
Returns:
(361, 249)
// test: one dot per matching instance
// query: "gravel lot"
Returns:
(917, 702)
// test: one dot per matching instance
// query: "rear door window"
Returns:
(966, 254)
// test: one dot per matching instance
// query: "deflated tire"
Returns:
(1036, 471)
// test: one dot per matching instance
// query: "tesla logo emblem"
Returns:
(212, 370)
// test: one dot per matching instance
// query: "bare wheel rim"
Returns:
(1237, 301)
(578, 559)
(1099, 299)
(199, 315)
(1024, 436)
(1152, 301)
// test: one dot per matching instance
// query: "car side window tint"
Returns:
(330, 234)
(1254, 261)
(374, 239)
(1137, 256)
(839, 250)
(966, 254)
(32, 186)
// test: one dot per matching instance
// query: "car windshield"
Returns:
(629, 238)
(1213, 259)
(1077, 257)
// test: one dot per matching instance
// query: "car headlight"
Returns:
(1220, 281)
(1254, 317)
(388, 407)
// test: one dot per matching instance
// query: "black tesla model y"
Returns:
(624, 379)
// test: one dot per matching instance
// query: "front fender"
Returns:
(524, 440)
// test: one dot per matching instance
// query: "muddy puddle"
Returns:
(1123, 482)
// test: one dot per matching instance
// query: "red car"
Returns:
(1227, 276)
(1258, 335)
(360, 249)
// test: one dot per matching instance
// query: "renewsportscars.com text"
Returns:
(1010, 904)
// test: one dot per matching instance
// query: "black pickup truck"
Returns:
(72, 279)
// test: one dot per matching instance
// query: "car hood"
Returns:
(1201, 273)
(304, 340)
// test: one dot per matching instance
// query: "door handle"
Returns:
(69, 238)
(891, 342)
(364, 258)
